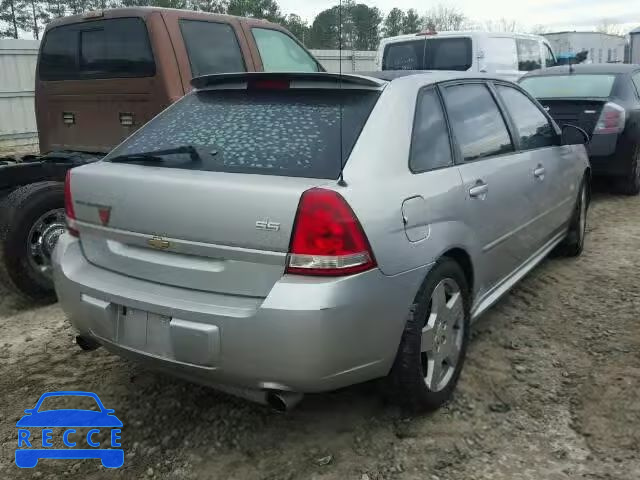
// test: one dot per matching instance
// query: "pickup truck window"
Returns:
(280, 53)
(212, 47)
(113, 48)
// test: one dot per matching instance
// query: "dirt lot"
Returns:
(551, 390)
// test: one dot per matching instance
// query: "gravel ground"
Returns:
(551, 390)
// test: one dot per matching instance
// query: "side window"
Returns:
(280, 53)
(549, 59)
(501, 54)
(430, 147)
(212, 47)
(534, 129)
(636, 81)
(476, 121)
(113, 48)
(528, 55)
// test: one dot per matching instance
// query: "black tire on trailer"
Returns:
(31, 220)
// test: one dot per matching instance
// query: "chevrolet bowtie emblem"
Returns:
(158, 243)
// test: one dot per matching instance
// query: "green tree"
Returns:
(14, 15)
(365, 27)
(36, 17)
(412, 23)
(55, 8)
(296, 25)
(325, 30)
(212, 6)
(394, 23)
(267, 9)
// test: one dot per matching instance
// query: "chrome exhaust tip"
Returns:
(86, 344)
(282, 401)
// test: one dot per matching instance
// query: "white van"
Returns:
(506, 54)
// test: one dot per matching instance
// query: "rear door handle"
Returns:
(479, 190)
(538, 172)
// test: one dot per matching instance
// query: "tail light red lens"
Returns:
(327, 237)
(68, 206)
(612, 119)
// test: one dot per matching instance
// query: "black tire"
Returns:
(18, 212)
(630, 184)
(573, 244)
(406, 383)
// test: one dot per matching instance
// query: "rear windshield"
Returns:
(429, 54)
(114, 48)
(569, 86)
(290, 133)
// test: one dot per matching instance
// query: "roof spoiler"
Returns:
(302, 80)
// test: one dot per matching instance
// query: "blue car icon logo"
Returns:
(29, 452)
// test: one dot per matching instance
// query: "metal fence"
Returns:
(18, 129)
(17, 77)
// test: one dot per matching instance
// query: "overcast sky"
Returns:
(556, 14)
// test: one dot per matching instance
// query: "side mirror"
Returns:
(573, 135)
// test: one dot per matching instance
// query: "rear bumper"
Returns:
(607, 157)
(307, 335)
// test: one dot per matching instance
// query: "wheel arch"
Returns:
(463, 259)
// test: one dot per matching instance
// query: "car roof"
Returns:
(432, 76)
(144, 12)
(466, 33)
(587, 68)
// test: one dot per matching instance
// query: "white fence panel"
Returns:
(352, 61)
(17, 78)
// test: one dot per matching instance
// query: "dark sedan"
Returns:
(604, 100)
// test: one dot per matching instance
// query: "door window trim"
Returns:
(517, 143)
(452, 150)
(288, 34)
(181, 22)
(459, 158)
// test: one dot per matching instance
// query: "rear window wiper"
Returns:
(158, 155)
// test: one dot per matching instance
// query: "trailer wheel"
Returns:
(31, 220)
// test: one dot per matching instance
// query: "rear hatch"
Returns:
(96, 84)
(428, 52)
(219, 220)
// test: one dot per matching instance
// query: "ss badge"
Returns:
(267, 225)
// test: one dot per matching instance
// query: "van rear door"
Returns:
(427, 52)
(96, 84)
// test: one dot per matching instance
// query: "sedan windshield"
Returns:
(569, 86)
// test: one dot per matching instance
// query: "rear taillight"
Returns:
(327, 237)
(612, 119)
(68, 206)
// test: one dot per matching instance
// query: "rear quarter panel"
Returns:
(379, 180)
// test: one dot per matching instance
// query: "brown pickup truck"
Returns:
(100, 76)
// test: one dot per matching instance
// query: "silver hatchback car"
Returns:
(276, 234)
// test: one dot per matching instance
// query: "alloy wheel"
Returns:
(442, 335)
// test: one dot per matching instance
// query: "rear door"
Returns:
(221, 223)
(206, 45)
(97, 83)
(429, 53)
(499, 197)
(550, 172)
